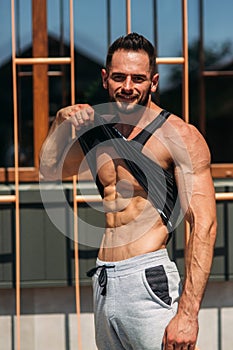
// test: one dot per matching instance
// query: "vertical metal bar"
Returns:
(202, 108)
(185, 65)
(185, 89)
(155, 24)
(75, 207)
(128, 16)
(155, 35)
(108, 22)
(19, 83)
(40, 76)
(16, 160)
(226, 237)
(72, 52)
(63, 71)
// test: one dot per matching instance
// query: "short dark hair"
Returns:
(133, 42)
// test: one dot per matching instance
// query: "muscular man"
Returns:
(137, 297)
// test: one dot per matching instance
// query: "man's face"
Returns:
(129, 80)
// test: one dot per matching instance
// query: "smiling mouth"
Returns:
(127, 99)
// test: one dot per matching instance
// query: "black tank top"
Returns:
(158, 183)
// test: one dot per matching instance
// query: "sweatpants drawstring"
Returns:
(103, 277)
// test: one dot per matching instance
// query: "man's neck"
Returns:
(130, 124)
(139, 117)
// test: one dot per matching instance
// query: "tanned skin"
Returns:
(133, 226)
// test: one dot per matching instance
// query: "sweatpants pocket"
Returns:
(156, 282)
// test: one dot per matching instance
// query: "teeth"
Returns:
(127, 98)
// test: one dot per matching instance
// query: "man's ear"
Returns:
(154, 82)
(104, 75)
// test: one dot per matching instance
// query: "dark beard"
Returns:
(137, 107)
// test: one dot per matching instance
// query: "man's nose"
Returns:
(128, 84)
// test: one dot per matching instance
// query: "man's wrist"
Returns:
(188, 309)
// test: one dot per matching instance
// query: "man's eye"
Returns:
(118, 77)
(138, 79)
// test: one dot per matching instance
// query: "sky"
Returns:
(90, 26)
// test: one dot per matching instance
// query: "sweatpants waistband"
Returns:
(137, 263)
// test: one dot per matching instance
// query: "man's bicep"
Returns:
(197, 197)
(193, 176)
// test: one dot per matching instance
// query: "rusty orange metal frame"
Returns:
(128, 16)
(42, 60)
(16, 165)
(75, 207)
(224, 196)
(9, 198)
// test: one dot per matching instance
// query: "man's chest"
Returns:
(112, 168)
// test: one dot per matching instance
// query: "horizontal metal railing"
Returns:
(225, 196)
(219, 196)
(7, 198)
(42, 60)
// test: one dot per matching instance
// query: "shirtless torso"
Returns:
(133, 225)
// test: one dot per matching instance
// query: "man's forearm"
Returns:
(53, 151)
(198, 261)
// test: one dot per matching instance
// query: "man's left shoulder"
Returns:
(184, 129)
(185, 141)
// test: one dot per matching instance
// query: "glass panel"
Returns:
(23, 31)
(218, 46)
(193, 21)
(169, 28)
(139, 24)
(193, 45)
(219, 118)
(59, 86)
(118, 18)
(170, 88)
(90, 48)
(23, 49)
(5, 27)
(25, 113)
(23, 27)
(90, 28)
(218, 25)
(6, 119)
(58, 22)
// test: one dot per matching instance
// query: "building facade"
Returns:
(51, 56)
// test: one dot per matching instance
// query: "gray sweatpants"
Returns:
(139, 300)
